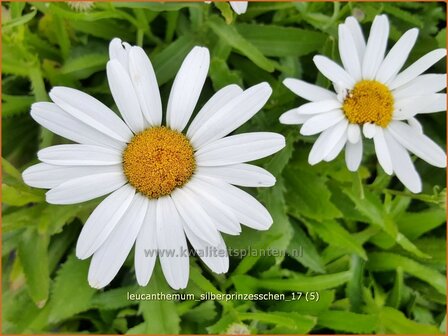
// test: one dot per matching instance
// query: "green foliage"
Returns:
(374, 253)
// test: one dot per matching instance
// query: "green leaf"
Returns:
(415, 224)
(384, 261)
(229, 34)
(204, 312)
(33, 255)
(19, 21)
(114, 298)
(394, 321)
(282, 41)
(72, 293)
(18, 195)
(84, 66)
(326, 298)
(15, 105)
(348, 322)
(296, 323)
(221, 75)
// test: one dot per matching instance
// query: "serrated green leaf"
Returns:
(345, 321)
(394, 321)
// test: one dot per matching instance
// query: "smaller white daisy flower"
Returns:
(372, 98)
(81, 6)
(167, 182)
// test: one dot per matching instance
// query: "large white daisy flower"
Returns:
(166, 185)
(372, 94)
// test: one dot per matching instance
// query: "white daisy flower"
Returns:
(165, 185)
(81, 6)
(239, 7)
(372, 95)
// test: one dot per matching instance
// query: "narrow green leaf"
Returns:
(394, 321)
(345, 321)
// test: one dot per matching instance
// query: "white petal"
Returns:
(369, 130)
(421, 85)
(353, 133)
(91, 112)
(308, 91)
(336, 149)
(85, 188)
(403, 165)
(145, 84)
(109, 258)
(103, 220)
(376, 47)
(248, 210)
(214, 256)
(418, 143)
(194, 215)
(118, 52)
(415, 124)
(358, 37)
(353, 155)
(212, 106)
(47, 176)
(333, 71)
(173, 250)
(292, 117)
(397, 56)
(348, 52)
(417, 68)
(382, 151)
(187, 88)
(232, 115)
(244, 175)
(146, 246)
(319, 107)
(408, 107)
(58, 121)
(321, 122)
(239, 148)
(224, 218)
(239, 7)
(122, 89)
(82, 155)
(326, 142)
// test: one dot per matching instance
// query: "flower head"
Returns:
(372, 97)
(167, 182)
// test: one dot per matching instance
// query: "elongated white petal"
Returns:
(194, 216)
(173, 250)
(336, 149)
(244, 175)
(58, 121)
(353, 133)
(46, 176)
(232, 115)
(397, 56)
(240, 7)
(308, 91)
(122, 89)
(223, 216)
(82, 155)
(357, 35)
(415, 124)
(187, 88)
(146, 245)
(353, 155)
(85, 188)
(92, 112)
(418, 143)
(326, 142)
(382, 151)
(408, 107)
(421, 85)
(247, 209)
(239, 148)
(376, 47)
(417, 68)
(403, 166)
(214, 256)
(119, 51)
(348, 52)
(109, 258)
(334, 72)
(321, 122)
(369, 130)
(145, 84)
(103, 220)
(319, 107)
(292, 117)
(213, 105)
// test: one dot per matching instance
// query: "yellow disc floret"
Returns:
(158, 160)
(369, 102)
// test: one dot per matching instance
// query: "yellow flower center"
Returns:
(369, 102)
(158, 160)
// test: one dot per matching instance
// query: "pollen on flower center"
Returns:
(369, 102)
(158, 160)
